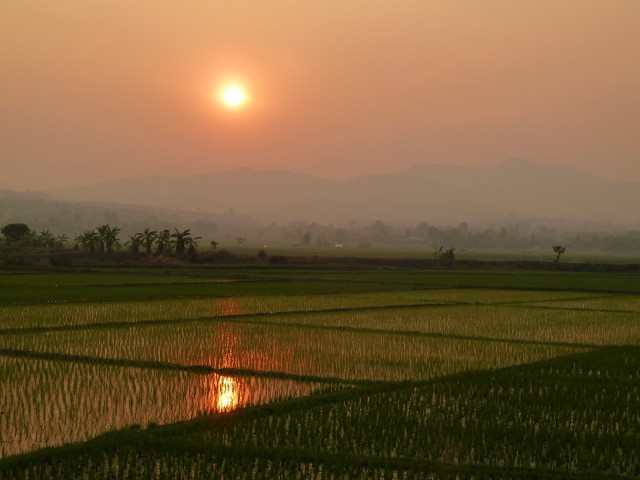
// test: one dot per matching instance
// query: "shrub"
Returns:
(277, 259)
(60, 260)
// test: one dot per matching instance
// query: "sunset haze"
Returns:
(93, 91)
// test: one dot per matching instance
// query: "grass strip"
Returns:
(140, 442)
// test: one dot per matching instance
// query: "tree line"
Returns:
(105, 239)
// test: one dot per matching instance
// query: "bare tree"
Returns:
(558, 250)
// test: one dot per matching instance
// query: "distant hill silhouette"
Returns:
(434, 193)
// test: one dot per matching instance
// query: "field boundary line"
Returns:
(417, 333)
(301, 403)
(147, 297)
(411, 286)
(568, 309)
(244, 320)
(213, 318)
(196, 369)
(119, 324)
(417, 306)
(366, 461)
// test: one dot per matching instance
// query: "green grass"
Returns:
(207, 282)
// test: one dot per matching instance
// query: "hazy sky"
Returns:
(93, 89)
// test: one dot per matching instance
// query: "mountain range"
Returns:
(433, 193)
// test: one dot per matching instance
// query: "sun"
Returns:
(233, 96)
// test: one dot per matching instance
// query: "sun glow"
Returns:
(233, 96)
(227, 394)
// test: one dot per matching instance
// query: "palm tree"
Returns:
(103, 231)
(89, 240)
(191, 244)
(147, 238)
(134, 242)
(163, 241)
(108, 237)
(112, 239)
(61, 240)
(181, 239)
(46, 239)
(214, 244)
(94, 241)
(31, 239)
(81, 240)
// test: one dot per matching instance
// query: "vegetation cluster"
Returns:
(104, 239)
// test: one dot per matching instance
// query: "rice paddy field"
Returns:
(379, 373)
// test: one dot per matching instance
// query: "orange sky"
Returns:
(94, 90)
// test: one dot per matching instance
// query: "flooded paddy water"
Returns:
(74, 371)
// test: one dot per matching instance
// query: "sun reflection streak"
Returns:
(227, 394)
(228, 306)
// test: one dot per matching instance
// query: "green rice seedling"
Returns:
(528, 418)
(625, 303)
(86, 313)
(484, 321)
(134, 463)
(48, 403)
(348, 355)
(76, 370)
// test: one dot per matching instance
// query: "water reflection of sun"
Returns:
(227, 394)
(229, 306)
